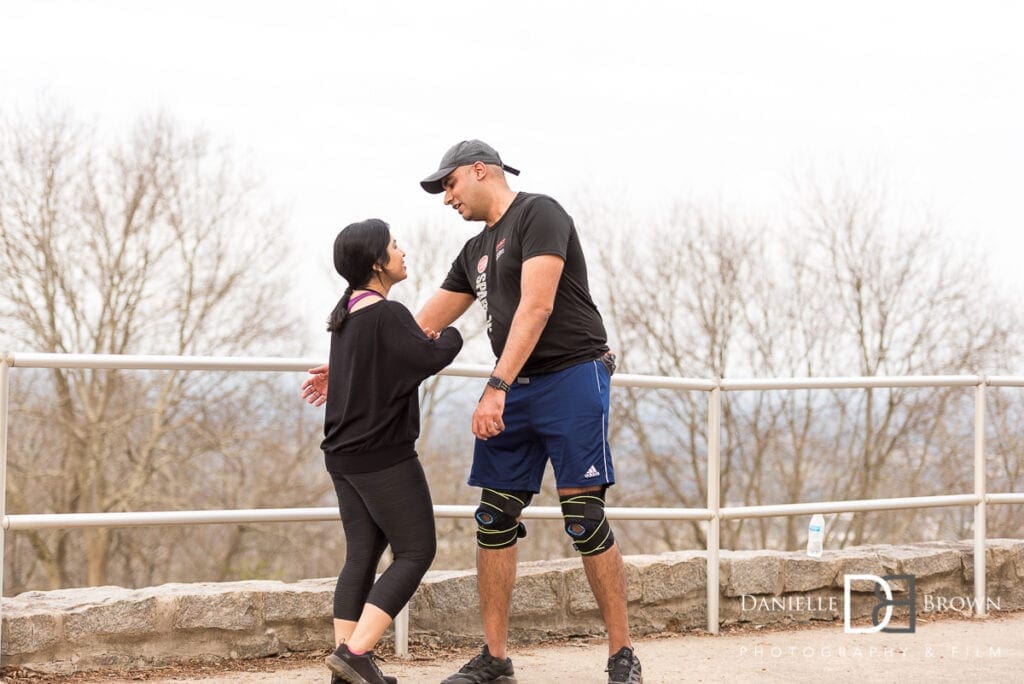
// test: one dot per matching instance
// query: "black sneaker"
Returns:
(356, 669)
(335, 679)
(484, 669)
(624, 668)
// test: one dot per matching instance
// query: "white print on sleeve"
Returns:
(481, 287)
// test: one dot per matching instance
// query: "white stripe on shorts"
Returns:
(604, 422)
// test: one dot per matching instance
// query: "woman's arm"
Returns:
(410, 348)
(440, 311)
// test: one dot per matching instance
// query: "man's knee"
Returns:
(497, 518)
(586, 523)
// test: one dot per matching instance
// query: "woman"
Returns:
(379, 356)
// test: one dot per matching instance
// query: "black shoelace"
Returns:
(478, 661)
(620, 664)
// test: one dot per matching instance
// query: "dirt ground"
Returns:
(946, 650)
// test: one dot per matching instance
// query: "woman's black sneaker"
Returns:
(335, 679)
(624, 668)
(356, 669)
(484, 669)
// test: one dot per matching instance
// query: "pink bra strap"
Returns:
(358, 298)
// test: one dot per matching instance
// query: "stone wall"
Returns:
(111, 627)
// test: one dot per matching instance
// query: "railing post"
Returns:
(401, 623)
(714, 490)
(4, 387)
(979, 508)
(402, 632)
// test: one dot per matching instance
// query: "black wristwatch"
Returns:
(498, 384)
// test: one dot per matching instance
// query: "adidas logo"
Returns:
(591, 472)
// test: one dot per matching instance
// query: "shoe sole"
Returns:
(344, 670)
(638, 681)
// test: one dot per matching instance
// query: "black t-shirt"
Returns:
(378, 360)
(490, 265)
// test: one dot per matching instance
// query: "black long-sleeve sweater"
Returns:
(378, 360)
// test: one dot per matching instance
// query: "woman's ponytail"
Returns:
(340, 312)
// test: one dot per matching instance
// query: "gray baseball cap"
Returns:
(461, 154)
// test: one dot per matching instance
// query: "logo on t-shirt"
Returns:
(481, 288)
(499, 249)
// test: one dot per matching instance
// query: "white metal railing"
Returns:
(713, 513)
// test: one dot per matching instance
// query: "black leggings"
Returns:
(390, 506)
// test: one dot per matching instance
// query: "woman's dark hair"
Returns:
(358, 247)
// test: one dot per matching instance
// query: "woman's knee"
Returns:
(421, 552)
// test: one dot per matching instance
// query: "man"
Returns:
(547, 398)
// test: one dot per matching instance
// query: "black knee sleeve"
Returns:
(496, 518)
(586, 523)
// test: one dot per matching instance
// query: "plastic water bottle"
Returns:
(815, 535)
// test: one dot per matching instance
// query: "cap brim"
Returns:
(432, 183)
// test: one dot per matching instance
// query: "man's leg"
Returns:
(607, 577)
(496, 575)
(498, 528)
(577, 443)
(514, 456)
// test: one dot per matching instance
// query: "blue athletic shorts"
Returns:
(561, 417)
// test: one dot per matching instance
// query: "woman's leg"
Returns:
(399, 502)
(364, 545)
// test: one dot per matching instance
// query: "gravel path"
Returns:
(988, 650)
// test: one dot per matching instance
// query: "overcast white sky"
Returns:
(346, 105)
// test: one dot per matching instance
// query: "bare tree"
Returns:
(160, 243)
(905, 303)
(157, 243)
(676, 304)
(1005, 468)
(853, 288)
